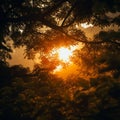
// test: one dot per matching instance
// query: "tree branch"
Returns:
(68, 14)
(53, 8)
(40, 18)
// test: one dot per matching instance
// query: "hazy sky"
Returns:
(18, 58)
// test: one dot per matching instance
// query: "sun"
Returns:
(64, 54)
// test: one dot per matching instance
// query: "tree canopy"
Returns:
(33, 23)
(41, 25)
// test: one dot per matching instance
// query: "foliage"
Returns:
(41, 25)
(43, 97)
(36, 23)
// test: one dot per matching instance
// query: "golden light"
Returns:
(58, 68)
(61, 59)
(64, 72)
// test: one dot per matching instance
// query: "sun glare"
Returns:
(60, 59)
(64, 54)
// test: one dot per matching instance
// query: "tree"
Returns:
(41, 25)
(24, 21)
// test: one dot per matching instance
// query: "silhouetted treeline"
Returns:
(42, 96)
